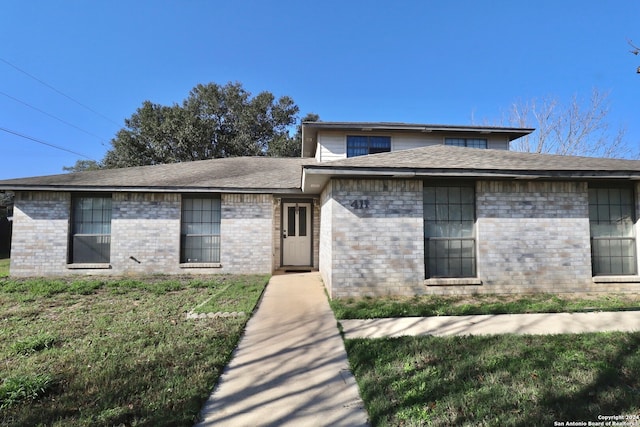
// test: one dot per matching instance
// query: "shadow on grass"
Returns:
(497, 380)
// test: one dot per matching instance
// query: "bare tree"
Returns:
(635, 50)
(580, 128)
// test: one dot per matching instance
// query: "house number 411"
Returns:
(360, 204)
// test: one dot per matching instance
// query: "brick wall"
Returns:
(376, 237)
(326, 239)
(316, 232)
(145, 235)
(277, 234)
(533, 236)
(246, 243)
(40, 233)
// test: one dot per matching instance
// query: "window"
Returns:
(466, 142)
(611, 220)
(362, 145)
(90, 229)
(200, 225)
(449, 237)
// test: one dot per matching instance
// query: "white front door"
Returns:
(296, 234)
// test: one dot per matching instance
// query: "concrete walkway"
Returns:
(290, 368)
(543, 323)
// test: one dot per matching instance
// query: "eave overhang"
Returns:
(315, 178)
(133, 189)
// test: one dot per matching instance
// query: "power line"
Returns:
(59, 92)
(48, 144)
(52, 116)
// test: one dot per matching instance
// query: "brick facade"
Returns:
(533, 236)
(326, 239)
(246, 233)
(368, 237)
(145, 235)
(376, 245)
(40, 233)
(530, 237)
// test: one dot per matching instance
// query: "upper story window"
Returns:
(466, 142)
(90, 229)
(361, 145)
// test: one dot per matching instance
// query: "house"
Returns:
(377, 208)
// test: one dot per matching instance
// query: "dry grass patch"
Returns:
(112, 352)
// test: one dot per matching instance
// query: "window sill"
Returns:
(616, 279)
(89, 266)
(201, 265)
(465, 281)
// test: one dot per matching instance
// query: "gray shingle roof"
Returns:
(270, 174)
(472, 161)
(238, 173)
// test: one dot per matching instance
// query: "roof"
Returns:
(310, 130)
(237, 174)
(449, 161)
(296, 175)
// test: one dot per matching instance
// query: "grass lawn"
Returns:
(4, 267)
(495, 380)
(115, 352)
(370, 308)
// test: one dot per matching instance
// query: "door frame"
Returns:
(311, 231)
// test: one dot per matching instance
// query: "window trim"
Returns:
(439, 280)
(369, 147)
(601, 277)
(466, 142)
(71, 263)
(183, 261)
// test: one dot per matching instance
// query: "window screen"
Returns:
(449, 238)
(466, 142)
(91, 229)
(361, 145)
(200, 229)
(611, 222)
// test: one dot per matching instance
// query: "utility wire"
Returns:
(59, 92)
(53, 117)
(39, 141)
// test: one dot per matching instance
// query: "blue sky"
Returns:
(440, 62)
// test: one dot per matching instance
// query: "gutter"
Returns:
(512, 173)
(95, 189)
(325, 173)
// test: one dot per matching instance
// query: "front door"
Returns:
(296, 234)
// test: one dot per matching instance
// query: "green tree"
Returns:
(214, 121)
(6, 203)
(291, 146)
(83, 165)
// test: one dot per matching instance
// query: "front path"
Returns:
(540, 323)
(291, 367)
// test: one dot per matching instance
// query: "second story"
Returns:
(328, 141)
